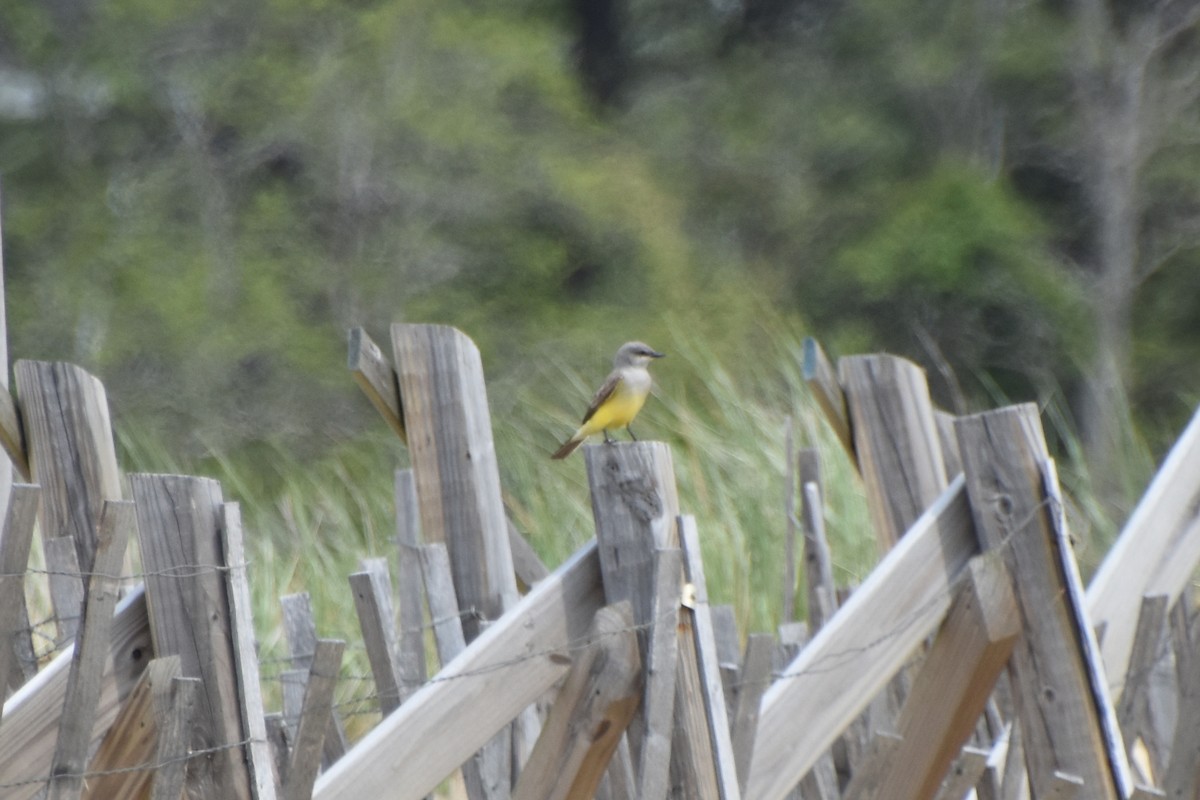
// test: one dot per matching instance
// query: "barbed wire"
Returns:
(147, 766)
(369, 703)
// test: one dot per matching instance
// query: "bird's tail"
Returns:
(569, 446)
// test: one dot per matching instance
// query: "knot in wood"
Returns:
(641, 499)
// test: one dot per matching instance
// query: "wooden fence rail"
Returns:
(966, 665)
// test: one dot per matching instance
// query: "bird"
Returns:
(619, 398)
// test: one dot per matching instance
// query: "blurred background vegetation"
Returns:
(201, 197)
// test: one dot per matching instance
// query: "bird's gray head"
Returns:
(637, 354)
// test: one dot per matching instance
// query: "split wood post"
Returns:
(179, 521)
(956, 678)
(1064, 729)
(818, 564)
(635, 506)
(300, 630)
(895, 440)
(29, 732)
(1156, 552)
(590, 714)
(847, 662)
(823, 382)
(245, 654)
(411, 644)
(135, 739)
(662, 653)
(314, 719)
(372, 592)
(488, 774)
(91, 648)
(512, 663)
(454, 463)
(16, 540)
(73, 459)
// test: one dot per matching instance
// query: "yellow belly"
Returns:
(616, 412)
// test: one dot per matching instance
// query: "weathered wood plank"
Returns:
(822, 381)
(85, 677)
(134, 740)
(895, 440)
(756, 676)
(12, 432)
(1146, 652)
(454, 461)
(174, 707)
(662, 649)
(372, 594)
(411, 652)
(729, 655)
(129, 743)
(701, 650)
(1155, 554)
(245, 652)
(955, 680)
(179, 521)
(790, 523)
(314, 719)
(818, 563)
(907, 595)
(31, 716)
(511, 664)
(66, 586)
(375, 376)
(16, 541)
(1064, 730)
(1182, 779)
(300, 630)
(71, 451)
(590, 714)
(964, 773)
(488, 773)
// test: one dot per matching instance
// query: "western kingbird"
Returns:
(619, 399)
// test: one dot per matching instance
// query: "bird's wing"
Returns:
(603, 393)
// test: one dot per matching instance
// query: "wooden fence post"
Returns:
(72, 457)
(895, 440)
(179, 531)
(1063, 728)
(454, 462)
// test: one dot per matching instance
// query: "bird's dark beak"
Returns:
(656, 354)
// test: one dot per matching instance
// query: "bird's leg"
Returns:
(608, 439)
(630, 429)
